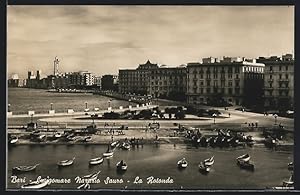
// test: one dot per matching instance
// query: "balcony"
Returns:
(284, 80)
(195, 79)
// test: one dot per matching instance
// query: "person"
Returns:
(229, 115)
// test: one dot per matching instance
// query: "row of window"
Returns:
(215, 76)
(280, 68)
(216, 90)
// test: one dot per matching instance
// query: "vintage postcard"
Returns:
(150, 97)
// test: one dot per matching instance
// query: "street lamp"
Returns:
(214, 116)
(51, 105)
(275, 117)
(86, 105)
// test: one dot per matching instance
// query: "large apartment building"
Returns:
(278, 81)
(170, 83)
(136, 80)
(235, 81)
(154, 80)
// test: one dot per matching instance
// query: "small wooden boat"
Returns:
(114, 144)
(64, 163)
(182, 163)
(14, 140)
(84, 186)
(245, 165)
(244, 157)
(290, 182)
(96, 161)
(57, 135)
(36, 184)
(25, 168)
(291, 166)
(92, 176)
(121, 166)
(88, 139)
(108, 152)
(209, 162)
(126, 146)
(203, 168)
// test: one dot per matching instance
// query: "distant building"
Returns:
(229, 81)
(14, 81)
(278, 81)
(109, 82)
(169, 83)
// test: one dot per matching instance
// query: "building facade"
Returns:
(109, 82)
(278, 81)
(136, 80)
(228, 81)
(168, 83)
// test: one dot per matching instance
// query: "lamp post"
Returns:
(86, 105)
(214, 116)
(51, 106)
(275, 117)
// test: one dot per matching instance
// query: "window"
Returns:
(230, 91)
(201, 76)
(229, 83)
(271, 85)
(208, 83)
(208, 90)
(230, 76)
(201, 83)
(279, 68)
(215, 83)
(280, 76)
(201, 90)
(286, 76)
(271, 68)
(215, 76)
(236, 76)
(270, 76)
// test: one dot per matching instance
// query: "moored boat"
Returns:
(25, 168)
(182, 163)
(64, 163)
(14, 140)
(244, 157)
(203, 168)
(291, 166)
(114, 144)
(36, 184)
(88, 139)
(245, 165)
(121, 166)
(290, 182)
(126, 146)
(108, 152)
(209, 162)
(57, 135)
(96, 161)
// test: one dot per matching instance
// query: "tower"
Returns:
(55, 65)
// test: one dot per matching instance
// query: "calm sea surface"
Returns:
(159, 161)
(22, 100)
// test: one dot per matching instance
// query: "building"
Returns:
(80, 79)
(228, 81)
(136, 81)
(278, 82)
(109, 82)
(169, 83)
(14, 81)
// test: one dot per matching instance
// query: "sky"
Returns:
(104, 39)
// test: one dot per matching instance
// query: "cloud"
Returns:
(103, 39)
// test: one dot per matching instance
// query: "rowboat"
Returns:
(209, 162)
(290, 182)
(203, 168)
(36, 184)
(88, 139)
(108, 152)
(121, 166)
(291, 166)
(25, 168)
(244, 157)
(114, 144)
(126, 146)
(14, 140)
(57, 135)
(245, 165)
(96, 161)
(182, 163)
(64, 163)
